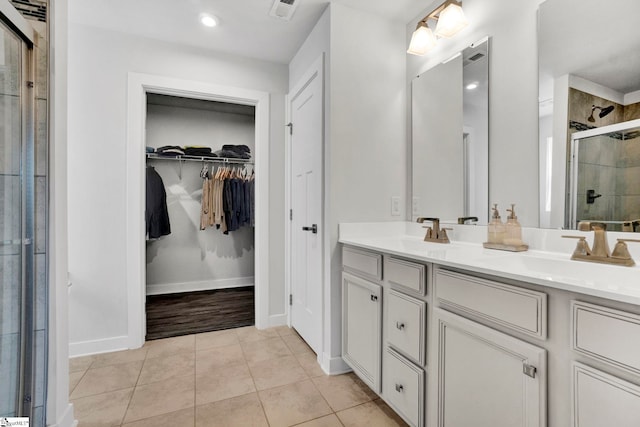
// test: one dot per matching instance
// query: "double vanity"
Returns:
(458, 335)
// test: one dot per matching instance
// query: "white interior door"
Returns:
(306, 113)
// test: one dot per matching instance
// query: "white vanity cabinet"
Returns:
(458, 346)
(611, 337)
(487, 378)
(362, 314)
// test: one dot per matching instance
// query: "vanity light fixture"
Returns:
(450, 20)
(472, 86)
(208, 20)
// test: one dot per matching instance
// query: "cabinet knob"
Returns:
(399, 388)
(399, 325)
(374, 298)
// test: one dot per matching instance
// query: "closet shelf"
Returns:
(225, 160)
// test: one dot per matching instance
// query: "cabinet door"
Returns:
(487, 378)
(361, 328)
(601, 399)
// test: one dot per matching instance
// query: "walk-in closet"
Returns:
(200, 215)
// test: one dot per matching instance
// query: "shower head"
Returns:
(603, 112)
(606, 110)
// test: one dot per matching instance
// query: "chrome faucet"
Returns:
(463, 219)
(600, 252)
(435, 233)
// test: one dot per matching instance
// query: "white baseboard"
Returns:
(277, 320)
(203, 285)
(66, 420)
(106, 345)
(334, 365)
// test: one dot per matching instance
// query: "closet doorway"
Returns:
(199, 215)
(185, 260)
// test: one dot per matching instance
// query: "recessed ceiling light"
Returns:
(208, 20)
(472, 86)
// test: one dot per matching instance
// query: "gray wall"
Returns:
(190, 258)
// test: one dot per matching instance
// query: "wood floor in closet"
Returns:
(186, 313)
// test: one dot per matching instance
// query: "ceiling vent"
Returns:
(283, 9)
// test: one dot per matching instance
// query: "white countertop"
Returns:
(547, 263)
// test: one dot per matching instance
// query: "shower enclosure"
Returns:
(17, 295)
(605, 176)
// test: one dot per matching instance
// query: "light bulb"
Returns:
(208, 20)
(450, 21)
(422, 40)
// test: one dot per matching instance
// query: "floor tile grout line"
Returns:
(255, 386)
(133, 392)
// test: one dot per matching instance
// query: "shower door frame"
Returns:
(573, 168)
(20, 27)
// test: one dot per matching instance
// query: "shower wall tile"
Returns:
(42, 68)
(8, 372)
(41, 215)
(632, 181)
(10, 218)
(631, 207)
(10, 291)
(602, 179)
(630, 153)
(40, 368)
(601, 209)
(41, 137)
(632, 111)
(10, 152)
(38, 417)
(41, 292)
(580, 109)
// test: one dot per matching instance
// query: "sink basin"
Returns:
(562, 270)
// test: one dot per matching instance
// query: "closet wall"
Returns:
(191, 259)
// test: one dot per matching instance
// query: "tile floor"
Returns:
(240, 377)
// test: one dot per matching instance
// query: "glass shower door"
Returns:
(16, 228)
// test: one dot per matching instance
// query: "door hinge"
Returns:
(290, 214)
(290, 126)
(290, 299)
(529, 370)
(30, 84)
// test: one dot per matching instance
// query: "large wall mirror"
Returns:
(450, 137)
(589, 59)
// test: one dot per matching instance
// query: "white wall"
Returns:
(99, 61)
(59, 410)
(190, 258)
(513, 94)
(367, 144)
(365, 134)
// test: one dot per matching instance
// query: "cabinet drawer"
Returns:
(609, 335)
(403, 387)
(367, 264)
(599, 399)
(405, 275)
(521, 309)
(406, 325)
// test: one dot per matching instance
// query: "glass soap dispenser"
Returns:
(513, 229)
(496, 227)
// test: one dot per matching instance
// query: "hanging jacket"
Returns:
(157, 214)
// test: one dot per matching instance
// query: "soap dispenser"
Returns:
(496, 227)
(513, 229)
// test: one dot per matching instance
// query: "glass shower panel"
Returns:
(11, 222)
(605, 187)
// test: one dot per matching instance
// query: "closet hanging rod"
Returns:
(224, 160)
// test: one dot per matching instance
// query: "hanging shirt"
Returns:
(157, 214)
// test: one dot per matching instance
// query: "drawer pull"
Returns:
(400, 326)
(399, 388)
(374, 298)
